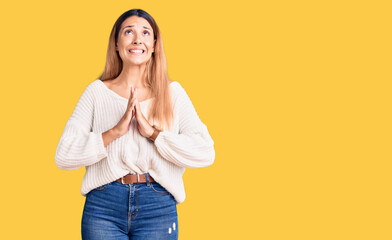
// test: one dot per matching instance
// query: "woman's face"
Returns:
(135, 41)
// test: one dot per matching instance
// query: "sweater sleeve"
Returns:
(193, 146)
(78, 145)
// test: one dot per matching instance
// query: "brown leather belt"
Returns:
(134, 178)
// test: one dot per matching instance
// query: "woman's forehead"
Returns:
(135, 21)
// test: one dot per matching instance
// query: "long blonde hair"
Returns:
(155, 76)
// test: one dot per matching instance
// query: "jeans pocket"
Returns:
(156, 187)
(101, 188)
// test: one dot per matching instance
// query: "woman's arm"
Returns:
(78, 145)
(193, 146)
(109, 136)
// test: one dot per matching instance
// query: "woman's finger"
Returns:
(130, 103)
(134, 93)
(131, 95)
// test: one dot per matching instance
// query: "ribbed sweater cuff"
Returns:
(158, 139)
(101, 147)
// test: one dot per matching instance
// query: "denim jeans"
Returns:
(130, 211)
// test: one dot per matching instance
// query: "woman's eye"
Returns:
(144, 32)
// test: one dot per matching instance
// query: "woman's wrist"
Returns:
(155, 134)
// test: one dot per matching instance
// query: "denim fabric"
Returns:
(130, 211)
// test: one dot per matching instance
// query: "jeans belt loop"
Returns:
(147, 179)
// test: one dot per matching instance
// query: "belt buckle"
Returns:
(138, 178)
(122, 180)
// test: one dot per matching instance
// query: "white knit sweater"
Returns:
(187, 144)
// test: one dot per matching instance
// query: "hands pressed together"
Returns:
(133, 110)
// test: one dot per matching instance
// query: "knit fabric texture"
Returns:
(187, 144)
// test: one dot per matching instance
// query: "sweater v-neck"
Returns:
(117, 95)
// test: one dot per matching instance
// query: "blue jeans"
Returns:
(130, 211)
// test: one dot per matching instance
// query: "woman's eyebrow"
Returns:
(134, 25)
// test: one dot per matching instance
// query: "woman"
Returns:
(135, 131)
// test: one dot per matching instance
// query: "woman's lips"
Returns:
(136, 52)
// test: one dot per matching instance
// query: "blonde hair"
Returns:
(155, 76)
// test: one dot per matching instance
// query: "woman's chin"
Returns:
(136, 63)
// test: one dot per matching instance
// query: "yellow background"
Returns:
(295, 94)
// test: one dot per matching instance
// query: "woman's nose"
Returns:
(137, 39)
